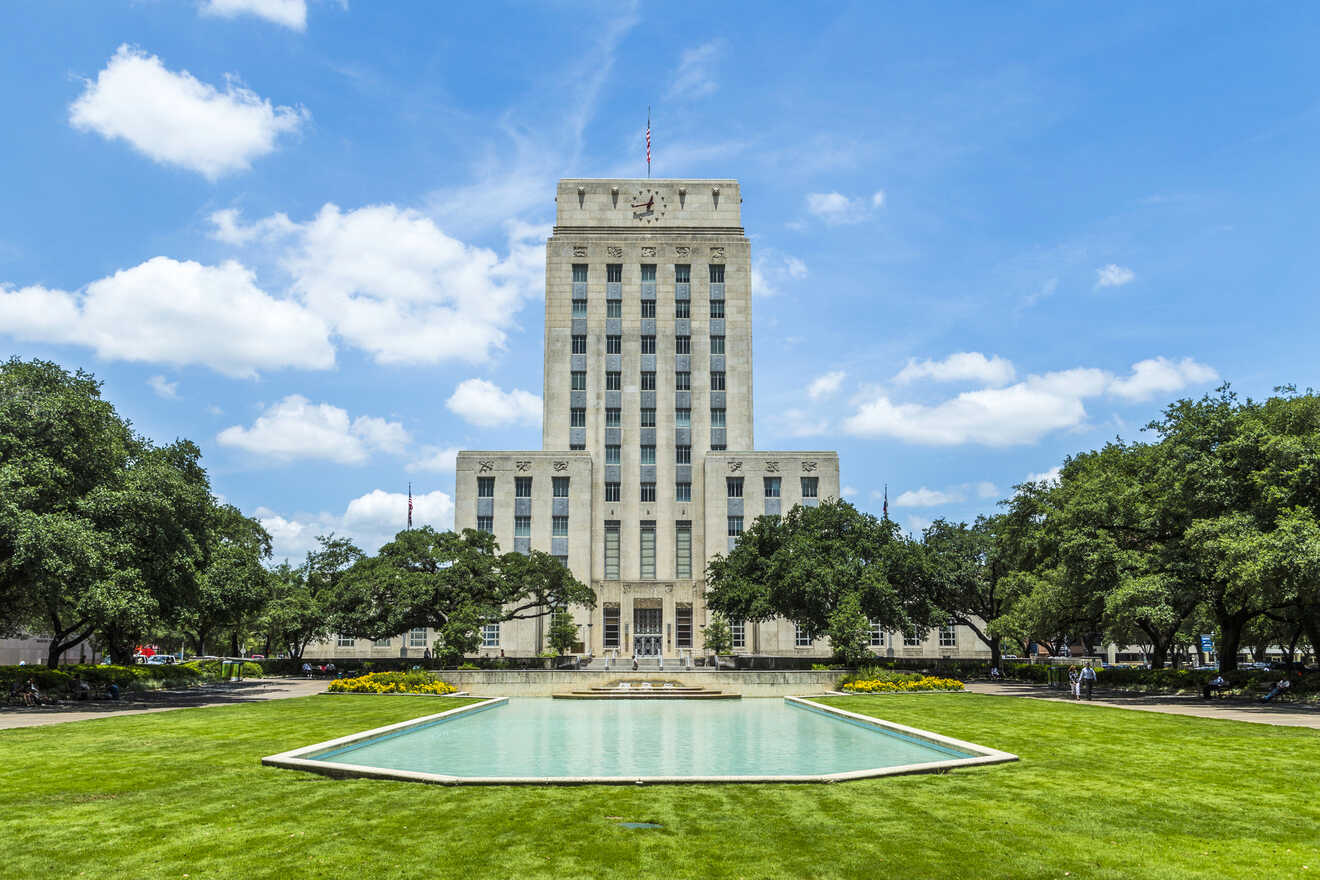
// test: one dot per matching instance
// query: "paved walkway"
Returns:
(220, 694)
(1287, 714)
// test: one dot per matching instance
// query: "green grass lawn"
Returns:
(1098, 793)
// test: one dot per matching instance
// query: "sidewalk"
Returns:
(218, 694)
(1286, 714)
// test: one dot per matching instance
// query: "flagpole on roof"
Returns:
(410, 505)
(648, 141)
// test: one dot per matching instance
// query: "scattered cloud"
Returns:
(1045, 291)
(435, 459)
(289, 13)
(484, 404)
(878, 199)
(1049, 476)
(1113, 275)
(917, 524)
(167, 390)
(369, 520)
(824, 386)
(771, 270)
(800, 423)
(924, 497)
(965, 365)
(986, 490)
(180, 313)
(296, 428)
(176, 119)
(848, 491)
(835, 208)
(695, 75)
(1161, 376)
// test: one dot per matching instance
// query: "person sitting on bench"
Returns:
(1216, 685)
(1280, 687)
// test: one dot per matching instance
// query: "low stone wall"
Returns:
(543, 683)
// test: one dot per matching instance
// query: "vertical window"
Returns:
(485, 487)
(561, 486)
(682, 274)
(579, 308)
(562, 559)
(683, 418)
(716, 380)
(739, 633)
(717, 345)
(801, 636)
(683, 549)
(613, 273)
(682, 491)
(716, 273)
(682, 308)
(683, 626)
(648, 308)
(648, 454)
(772, 487)
(579, 344)
(717, 418)
(809, 486)
(614, 308)
(611, 622)
(717, 308)
(614, 345)
(718, 445)
(522, 526)
(577, 417)
(346, 641)
(648, 273)
(648, 549)
(949, 635)
(417, 637)
(648, 492)
(648, 417)
(381, 643)
(877, 635)
(911, 639)
(611, 545)
(683, 455)
(613, 416)
(648, 345)
(578, 380)
(580, 273)
(734, 485)
(648, 380)
(486, 524)
(522, 487)
(613, 380)
(612, 453)
(735, 526)
(576, 445)
(490, 635)
(682, 345)
(612, 492)
(559, 527)
(682, 379)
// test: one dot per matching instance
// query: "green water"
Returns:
(544, 737)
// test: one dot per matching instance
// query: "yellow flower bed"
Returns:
(925, 683)
(392, 683)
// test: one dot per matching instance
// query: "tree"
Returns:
(718, 635)
(563, 632)
(233, 584)
(849, 631)
(100, 530)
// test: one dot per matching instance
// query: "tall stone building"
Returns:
(648, 467)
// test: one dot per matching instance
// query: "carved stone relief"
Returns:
(615, 251)
(561, 465)
(734, 466)
(717, 255)
(522, 465)
(772, 467)
(682, 251)
(579, 250)
(485, 465)
(648, 252)
(808, 466)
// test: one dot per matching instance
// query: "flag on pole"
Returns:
(648, 141)
(886, 501)
(410, 505)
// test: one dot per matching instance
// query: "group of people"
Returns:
(1080, 680)
(324, 670)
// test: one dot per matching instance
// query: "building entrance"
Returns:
(648, 632)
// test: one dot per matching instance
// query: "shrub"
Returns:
(129, 678)
(213, 670)
(903, 686)
(391, 683)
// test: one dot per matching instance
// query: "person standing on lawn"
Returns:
(1088, 679)
(1074, 683)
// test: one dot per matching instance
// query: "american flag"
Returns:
(648, 141)
(410, 505)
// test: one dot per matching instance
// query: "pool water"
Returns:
(534, 737)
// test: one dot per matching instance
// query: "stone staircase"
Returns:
(641, 689)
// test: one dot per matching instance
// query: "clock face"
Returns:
(648, 205)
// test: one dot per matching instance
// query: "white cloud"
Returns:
(848, 491)
(965, 365)
(917, 524)
(1049, 476)
(369, 520)
(175, 118)
(295, 428)
(1161, 376)
(985, 490)
(167, 390)
(1113, 275)
(1045, 291)
(771, 270)
(800, 423)
(924, 497)
(393, 284)
(483, 403)
(824, 386)
(878, 199)
(1016, 414)
(836, 208)
(166, 311)
(435, 459)
(695, 76)
(289, 13)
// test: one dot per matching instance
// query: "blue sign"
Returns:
(1208, 644)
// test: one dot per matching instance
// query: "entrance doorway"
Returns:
(648, 632)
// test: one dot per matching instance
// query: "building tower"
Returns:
(647, 467)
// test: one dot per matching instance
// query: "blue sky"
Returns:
(308, 235)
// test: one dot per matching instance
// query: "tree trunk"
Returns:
(233, 643)
(1230, 642)
(1159, 653)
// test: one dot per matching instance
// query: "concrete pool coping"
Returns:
(303, 758)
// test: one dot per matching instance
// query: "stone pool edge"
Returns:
(296, 759)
